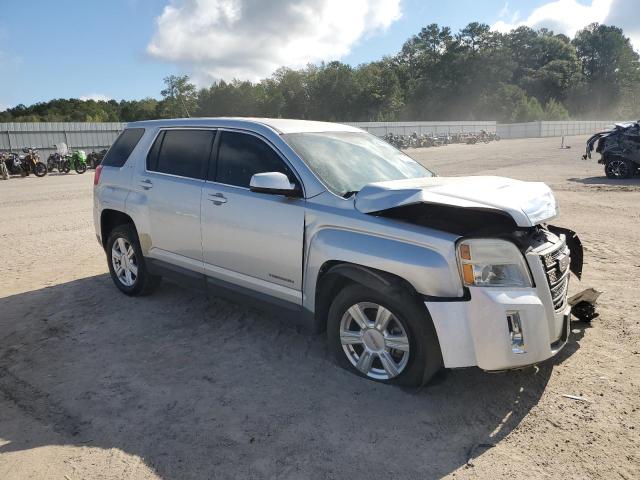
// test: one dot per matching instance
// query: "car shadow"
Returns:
(200, 387)
(607, 181)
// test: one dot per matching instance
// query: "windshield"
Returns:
(347, 161)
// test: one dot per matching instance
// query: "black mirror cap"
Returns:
(293, 193)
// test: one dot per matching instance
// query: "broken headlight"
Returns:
(492, 263)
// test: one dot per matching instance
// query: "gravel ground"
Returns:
(97, 385)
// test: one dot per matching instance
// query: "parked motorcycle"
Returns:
(56, 159)
(4, 171)
(77, 161)
(95, 158)
(55, 162)
(31, 162)
(13, 164)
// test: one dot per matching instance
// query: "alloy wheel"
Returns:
(618, 168)
(374, 340)
(125, 264)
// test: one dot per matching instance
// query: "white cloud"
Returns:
(624, 14)
(98, 97)
(4, 107)
(569, 16)
(249, 39)
(505, 12)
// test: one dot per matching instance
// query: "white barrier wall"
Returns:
(77, 135)
(552, 129)
(558, 129)
(380, 129)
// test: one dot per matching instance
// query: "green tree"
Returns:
(554, 110)
(332, 92)
(610, 68)
(378, 94)
(179, 97)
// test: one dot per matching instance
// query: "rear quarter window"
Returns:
(123, 146)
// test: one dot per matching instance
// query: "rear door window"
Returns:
(184, 153)
(241, 155)
(123, 146)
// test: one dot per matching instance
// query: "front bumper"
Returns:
(478, 332)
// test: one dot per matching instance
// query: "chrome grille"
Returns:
(556, 266)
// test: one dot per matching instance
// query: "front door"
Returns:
(254, 240)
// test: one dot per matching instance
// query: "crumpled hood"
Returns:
(528, 203)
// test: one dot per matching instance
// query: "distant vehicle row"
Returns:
(430, 140)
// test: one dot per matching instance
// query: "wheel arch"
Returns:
(335, 275)
(426, 269)
(110, 219)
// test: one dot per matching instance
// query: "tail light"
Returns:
(96, 175)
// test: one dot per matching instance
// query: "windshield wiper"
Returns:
(350, 193)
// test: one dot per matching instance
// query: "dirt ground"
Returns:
(97, 385)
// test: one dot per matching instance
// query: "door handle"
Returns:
(146, 184)
(217, 198)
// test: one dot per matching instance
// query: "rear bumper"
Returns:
(478, 332)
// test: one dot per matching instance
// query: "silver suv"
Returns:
(407, 272)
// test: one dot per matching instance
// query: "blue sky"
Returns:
(117, 48)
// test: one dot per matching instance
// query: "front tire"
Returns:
(386, 336)
(618, 168)
(40, 169)
(81, 167)
(127, 264)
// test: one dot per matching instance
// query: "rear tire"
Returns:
(398, 345)
(127, 264)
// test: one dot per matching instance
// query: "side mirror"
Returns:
(274, 183)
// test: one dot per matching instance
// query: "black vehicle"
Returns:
(619, 150)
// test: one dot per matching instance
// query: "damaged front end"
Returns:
(488, 207)
(619, 150)
(477, 222)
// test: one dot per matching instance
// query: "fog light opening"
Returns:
(515, 332)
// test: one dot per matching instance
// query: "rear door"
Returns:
(172, 183)
(254, 240)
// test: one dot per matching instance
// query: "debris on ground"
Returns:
(576, 397)
(583, 304)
